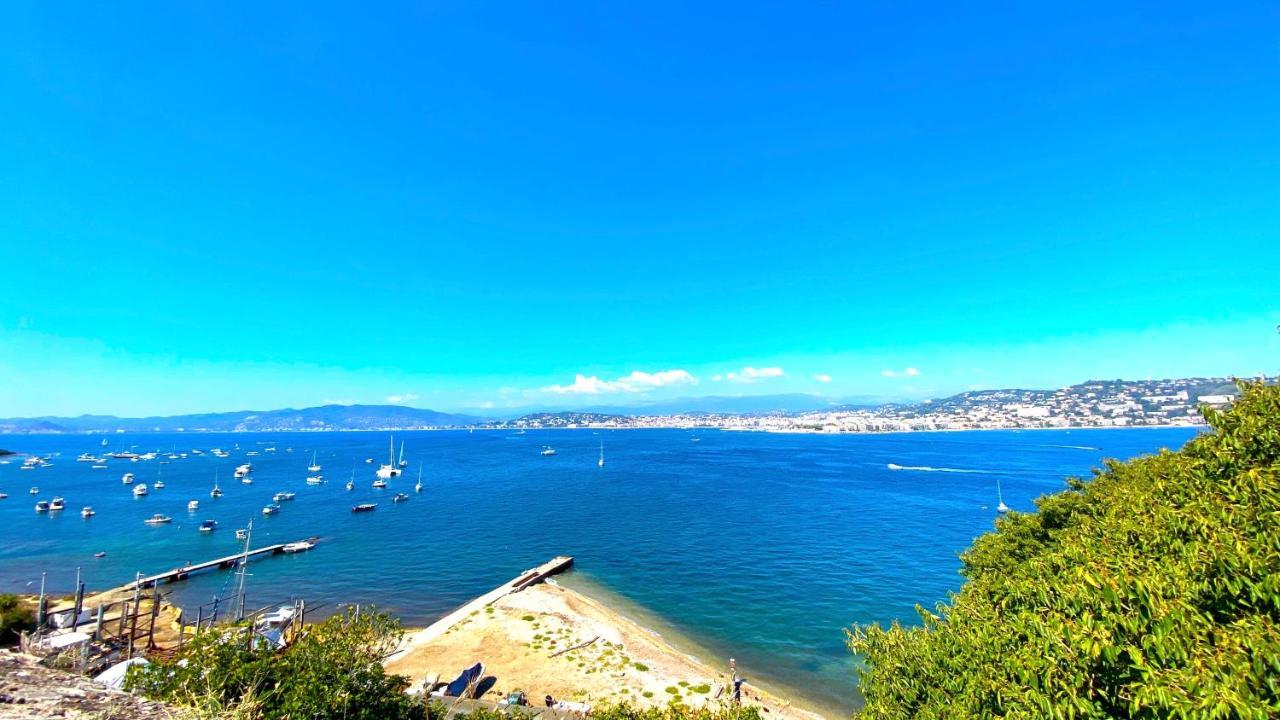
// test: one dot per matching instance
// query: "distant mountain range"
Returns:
(326, 417)
(397, 417)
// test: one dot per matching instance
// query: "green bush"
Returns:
(1150, 591)
(333, 670)
(15, 617)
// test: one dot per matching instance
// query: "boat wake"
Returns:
(928, 468)
(1074, 447)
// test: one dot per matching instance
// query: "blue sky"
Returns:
(466, 205)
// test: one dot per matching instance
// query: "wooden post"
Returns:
(155, 611)
(124, 612)
(133, 629)
(97, 626)
(199, 618)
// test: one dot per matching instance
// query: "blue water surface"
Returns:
(760, 546)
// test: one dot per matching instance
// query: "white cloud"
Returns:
(750, 374)
(908, 372)
(397, 399)
(717, 378)
(822, 377)
(637, 381)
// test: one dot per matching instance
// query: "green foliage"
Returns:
(1150, 591)
(333, 670)
(15, 617)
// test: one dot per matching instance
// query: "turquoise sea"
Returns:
(759, 546)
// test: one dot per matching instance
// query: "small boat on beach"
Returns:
(208, 526)
(364, 507)
(158, 519)
(140, 489)
(87, 511)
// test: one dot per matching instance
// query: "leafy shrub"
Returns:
(1152, 590)
(333, 670)
(622, 712)
(15, 617)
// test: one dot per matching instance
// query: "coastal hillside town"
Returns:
(1096, 403)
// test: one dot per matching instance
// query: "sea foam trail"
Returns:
(927, 468)
(1074, 447)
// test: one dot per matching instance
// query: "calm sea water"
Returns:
(760, 546)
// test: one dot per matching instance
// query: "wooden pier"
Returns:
(174, 575)
(223, 562)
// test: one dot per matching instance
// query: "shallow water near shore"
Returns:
(760, 546)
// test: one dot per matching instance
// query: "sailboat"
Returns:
(1001, 507)
(389, 470)
(313, 467)
(216, 491)
(352, 482)
(418, 487)
(601, 462)
(403, 463)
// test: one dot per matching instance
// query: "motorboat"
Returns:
(159, 485)
(86, 457)
(42, 506)
(272, 509)
(297, 547)
(364, 507)
(193, 505)
(208, 525)
(282, 496)
(100, 554)
(34, 491)
(315, 480)
(57, 503)
(140, 489)
(243, 471)
(242, 534)
(127, 479)
(547, 450)
(87, 511)
(158, 519)
(399, 497)
(379, 483)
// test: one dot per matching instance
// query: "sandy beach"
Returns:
(551, 640)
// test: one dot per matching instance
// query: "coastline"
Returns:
(550, 639)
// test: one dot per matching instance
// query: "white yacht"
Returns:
(193, 505)
(313, 467)
(547, 450)
(297, 547)
(158, 519)
(87, 511)
(243, 471)
(389, 470)
(315, 480)
(127, 479)
(216, 492)
(140, 489)
(57, 503)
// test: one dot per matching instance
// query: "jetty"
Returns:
(177, 574)
(529, 577)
